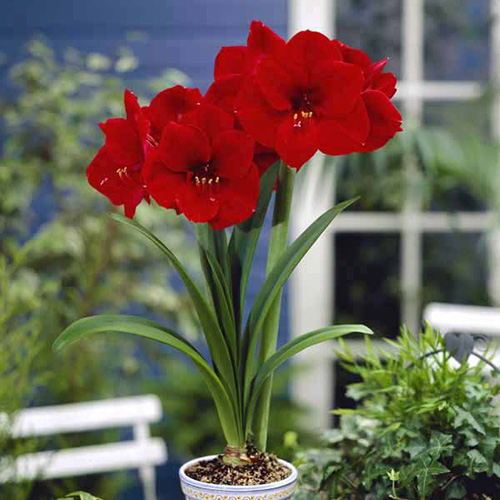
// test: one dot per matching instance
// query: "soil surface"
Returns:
(263, 469)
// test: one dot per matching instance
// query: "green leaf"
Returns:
(81, 495)
(151, 330)
(439, 445)
(416, 446)
(219, 349)
(428, 469)
(225, 310)
(496, 469)
(244, 241)
(277, 278)
(464, 417)
(456, 491)
(479, 462)
(293, 347)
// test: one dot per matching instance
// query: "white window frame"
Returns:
(312, 290)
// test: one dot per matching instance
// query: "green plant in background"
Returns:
(423, 428)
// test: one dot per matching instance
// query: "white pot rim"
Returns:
(225, 487)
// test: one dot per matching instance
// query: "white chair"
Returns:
(465, 319)
(143, 452)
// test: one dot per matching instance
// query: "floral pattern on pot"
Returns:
(197, 490)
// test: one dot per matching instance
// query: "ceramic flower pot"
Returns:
(196, 490)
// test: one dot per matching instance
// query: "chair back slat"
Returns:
(460, 318)
(81, 417)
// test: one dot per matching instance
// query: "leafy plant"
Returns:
(425, 427)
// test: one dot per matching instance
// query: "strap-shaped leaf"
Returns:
(221, 288)
(151, 330)
(219, 350)
(290, 349)
(276, 280)
(244, 241)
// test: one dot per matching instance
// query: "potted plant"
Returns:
(425, 427)
(216, 159)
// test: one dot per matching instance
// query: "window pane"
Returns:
(466, 161)
(456, 39)
(455, 269)
(367, 281)
(374, 27)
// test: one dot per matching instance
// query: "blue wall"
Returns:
(184, 34)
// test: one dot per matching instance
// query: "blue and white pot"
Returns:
(197, 490)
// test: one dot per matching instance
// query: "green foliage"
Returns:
(424, 427)
(234, 383)
(192, 427)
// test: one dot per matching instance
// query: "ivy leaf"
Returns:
(455, 491)
(478, 461)
(463, 416)
(428, 469)
(416, 447)
(496, 469)
(439, 444)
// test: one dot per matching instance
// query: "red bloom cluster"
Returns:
(270, 99)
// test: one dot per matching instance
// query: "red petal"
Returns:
(131, 203)
(162, 183)
(335, 88)
(122, 141)
(259, 119)
(170, 105)
(196, 205)
(230, 61)
(309, 48)
(278, 85)
(386, 83)
(238, 200)
(264, 157)
(263, 40)
(183, 147)
(385, 119)
(211, 120)
(222, 93)
(132, 107)
(345, 135)
(296, 144)
(102, 175)
(232, 154)
(354, 56)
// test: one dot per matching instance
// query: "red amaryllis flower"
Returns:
(233, 65)
(378, 88)
(223, 93)
(305, 97)
(171, 105)
(203, 168)
(241, 60)
(116, 171)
